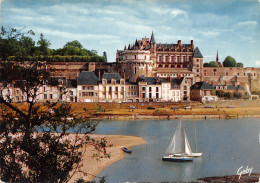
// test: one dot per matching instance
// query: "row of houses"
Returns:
(111, 87)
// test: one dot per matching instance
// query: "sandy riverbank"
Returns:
(93, 167)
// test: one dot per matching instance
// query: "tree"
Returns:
(239, 64)
(43, 45)
(35, 143)
(213, 64)
(206, 64)
(14, 42)
(74, 43)
(229, 62)
(105, 56)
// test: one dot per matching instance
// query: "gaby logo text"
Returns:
(242, 171)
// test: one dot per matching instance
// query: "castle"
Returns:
(148, 71)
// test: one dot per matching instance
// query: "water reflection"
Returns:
(226, 145)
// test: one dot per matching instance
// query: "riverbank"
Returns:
(92, 167)
(135, 111)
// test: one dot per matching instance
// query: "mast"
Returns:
(195, 133)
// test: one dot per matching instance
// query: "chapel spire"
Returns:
(152, 40)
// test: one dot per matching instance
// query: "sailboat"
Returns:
(179, 148)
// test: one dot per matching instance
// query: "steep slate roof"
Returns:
(197, 53)
(231, 87)
(202, 86)
(234, 87)
(151, 80)
(87, 78)
(152, 40)
(109, 76)
(176, 82)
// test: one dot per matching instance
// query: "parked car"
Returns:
(208, 106)
(175, 108)
(230, 106)
(150, 107)
(131, 107)
(187, 107)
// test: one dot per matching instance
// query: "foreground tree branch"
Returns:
(37, 145)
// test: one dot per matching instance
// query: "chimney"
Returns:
(191, 42)
(99, 74)
(179, 43)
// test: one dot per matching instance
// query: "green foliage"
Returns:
(206, 64)
(239, 64)
(75, 44)
(213, 64)
(229, 62)
(15, 45)
(228, 95)
(237, 95)
(36, 144)
(43, 46)
(99, 109)
(220, 93)
(210, 64)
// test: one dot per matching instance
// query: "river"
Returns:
(226, 145)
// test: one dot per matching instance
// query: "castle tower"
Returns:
(197, 65)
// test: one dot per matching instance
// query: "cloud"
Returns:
(73, 36)
(176, 12)
(246, 24)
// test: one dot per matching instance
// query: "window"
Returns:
(198, 60)
(157, 89)
(143, 95)
(150, 95)
(166, 59)
(44, 89)
(135, 70)
(71, 92)
(143, 88)
(198, 71)
(51, 97)
(157, 95)
(116, 88)
(184, 58)
(17, 98)
(45, 96)
(150, 89)
(226, 73)
(172, 58)
(17, 92)
(178, 59)
(61, 96)
(160, 58)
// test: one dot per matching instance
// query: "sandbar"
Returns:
(93, 167)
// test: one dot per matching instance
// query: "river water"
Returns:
(226, 145)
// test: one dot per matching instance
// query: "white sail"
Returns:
(187, 145)
(178, 142)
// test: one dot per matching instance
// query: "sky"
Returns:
(231, 27)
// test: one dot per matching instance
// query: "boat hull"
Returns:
(177, 158)
(195, 155)
(126, 150)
